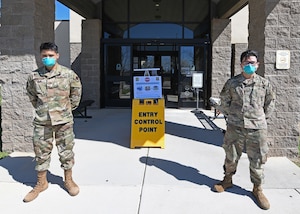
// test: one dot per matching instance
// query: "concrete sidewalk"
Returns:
(115, 179)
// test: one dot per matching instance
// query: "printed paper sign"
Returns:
(197, 80)
(283, 59)
(147, 87)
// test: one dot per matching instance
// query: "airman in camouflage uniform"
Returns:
(54, 92)
(247, 100)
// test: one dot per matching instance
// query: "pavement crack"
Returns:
(143, 182)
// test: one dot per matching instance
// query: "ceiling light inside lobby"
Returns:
(156, 2)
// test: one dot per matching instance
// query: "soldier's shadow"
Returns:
(22, 170)
(187, 173)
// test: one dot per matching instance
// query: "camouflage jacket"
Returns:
(247, 103)
(54, 94)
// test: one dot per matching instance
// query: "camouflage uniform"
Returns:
(53, 94)
(247, 103)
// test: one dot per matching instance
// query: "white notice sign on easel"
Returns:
(197, 80)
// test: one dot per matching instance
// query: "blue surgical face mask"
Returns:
(49, 61)
(249, 69)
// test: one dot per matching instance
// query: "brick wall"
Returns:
(221, 54)
(90, 59)
(274, 25)
(75, 55)
(24, 25)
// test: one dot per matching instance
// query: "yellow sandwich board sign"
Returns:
(148, 123)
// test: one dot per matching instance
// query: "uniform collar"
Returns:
(49, 74)
(248, 81)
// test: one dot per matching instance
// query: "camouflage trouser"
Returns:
(43, 137)
(255, 143)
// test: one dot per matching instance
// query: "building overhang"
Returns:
(86, 8)
(227, 8)
(91, 9)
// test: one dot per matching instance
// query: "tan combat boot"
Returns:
(260, 197)
(41, 185)
(225, 184)
(70, 185)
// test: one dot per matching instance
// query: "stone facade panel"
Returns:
(284, 32)
(295, 56)
(90, 63)
(269, 70)
(21, 145)
(283, 97)
(270, 57)
(295, 32)
(221, 54)
(281, 81)
(24, 26)
(7, 137)
(295, 7)
(272, 20)
(292, 152)
(277, 152)
(294, 130)
(286, 35)
(279, 128)
(294, 102)
(278, 32)
(287, 142)
(282, 45)
(7, 125)
(294, 44)
(284, 19)
(271, 44)
(278, 6)
(295, 19)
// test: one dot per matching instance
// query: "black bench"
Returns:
(81, 110)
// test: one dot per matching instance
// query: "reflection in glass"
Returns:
(118, 72)
(118, 90)
(118, 60)
(187, 60)
(147, 62)
(187, 68)
(166, 71)
(126, 61)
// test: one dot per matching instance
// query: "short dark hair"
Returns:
(249, 53)
(49, 46)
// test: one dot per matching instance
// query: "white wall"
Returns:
(66, 33)
(62, 34)
(75, 27)
(239, 26)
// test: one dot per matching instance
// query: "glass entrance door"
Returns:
(166, 61)
(192, 60)
(170, 79)
(176, 63)
(117, 69)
